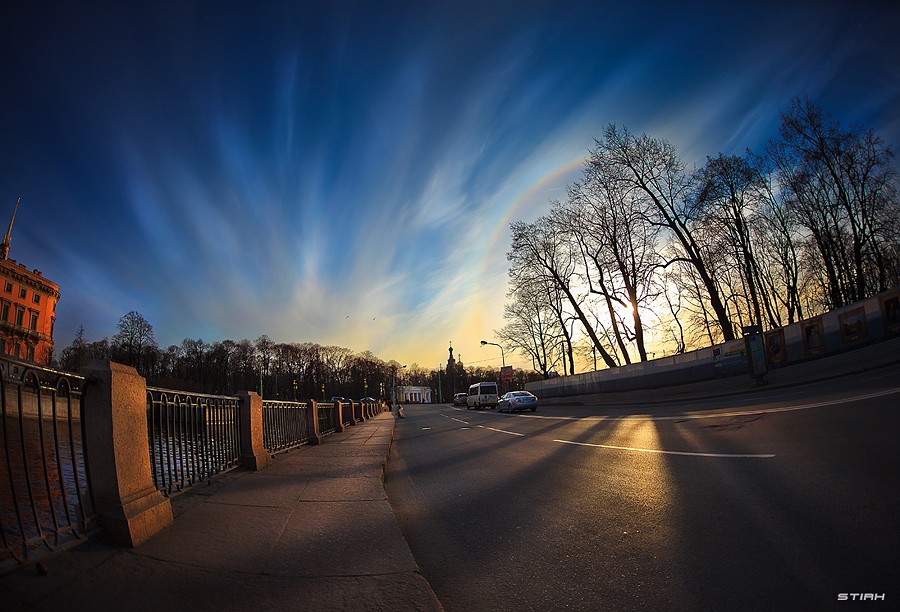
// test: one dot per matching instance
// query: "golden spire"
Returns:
(4, 246)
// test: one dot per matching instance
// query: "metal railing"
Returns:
(45, 489)
(192, 437)
(328, 421)
(285, 425)
(347, 414)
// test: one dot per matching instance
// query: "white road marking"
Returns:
(512, 433)
(663, 452)
(457, 420)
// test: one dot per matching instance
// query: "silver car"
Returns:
(517, 400)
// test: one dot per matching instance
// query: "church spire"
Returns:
(4, 246)
(451, 363)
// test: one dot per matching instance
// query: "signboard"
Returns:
(506, 373)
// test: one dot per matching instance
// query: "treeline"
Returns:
(289, 371)
(646, 257)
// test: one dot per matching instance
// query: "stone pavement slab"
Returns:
(313, 531)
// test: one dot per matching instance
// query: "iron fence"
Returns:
(285, 425)
(328, 420)
(45, 488)
(192, 437)
(347, 414)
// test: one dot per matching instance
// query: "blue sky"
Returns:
(345, 172)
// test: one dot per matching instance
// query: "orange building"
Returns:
(27, 308)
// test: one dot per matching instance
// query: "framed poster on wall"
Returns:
(776, 351)
(853, 325)
(813, 336)
(890, 313)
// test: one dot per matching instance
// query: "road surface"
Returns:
(781, 499)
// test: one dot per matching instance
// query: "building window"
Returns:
(33, 324)
(30, 353)
(4, 313)
(23, 293)
(20, 315)
(8, 287)
(36, 299)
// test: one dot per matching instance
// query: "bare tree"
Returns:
(843, 190)
(777, 233)
(619, 247)
(727, 198)
(532, 327)
(75, 356)
(653, 171)
(133, 340)
(542, 252)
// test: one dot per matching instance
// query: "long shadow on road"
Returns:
(789, 532)
(548, 519)
(503, 522)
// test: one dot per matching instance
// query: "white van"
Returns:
(482, 394)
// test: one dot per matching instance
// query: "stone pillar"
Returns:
(353, 418)
(312, 424)
(253, 452)
(128, 506)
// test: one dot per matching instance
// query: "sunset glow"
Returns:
(346, 173)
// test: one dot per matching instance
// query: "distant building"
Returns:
(27, 308)
(414, 395)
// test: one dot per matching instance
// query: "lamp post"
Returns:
(394, 384)
(260, 377)
(502, 356)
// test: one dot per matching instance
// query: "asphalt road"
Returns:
(773, 500)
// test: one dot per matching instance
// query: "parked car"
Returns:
(460, 399)
(338, 398)
(368, 399)
(482, 394)
(517, 400)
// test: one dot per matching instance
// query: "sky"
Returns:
(346, 172)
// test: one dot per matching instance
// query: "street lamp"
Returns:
(394, 382)
(502, 356)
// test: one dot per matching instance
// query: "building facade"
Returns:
(413, 395)
(27, 308)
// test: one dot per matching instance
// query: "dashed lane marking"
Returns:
(512, 433)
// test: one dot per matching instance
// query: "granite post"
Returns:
(129, 507)
(253, 452)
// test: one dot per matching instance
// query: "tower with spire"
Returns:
(450, 377)
(4, 246)
(27, 307)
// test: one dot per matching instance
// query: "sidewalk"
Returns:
(313, 531)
